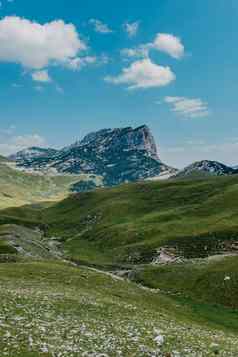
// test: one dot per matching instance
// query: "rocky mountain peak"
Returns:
(145, 141)
(209, 167)
(117, 155)
(125, 139)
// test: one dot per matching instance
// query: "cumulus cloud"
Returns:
(163, 42)
(131, 28)
(188, 107)
(35, 46)
(169, 44)
(143, 74)
(11, 144)
(41, 76)
(100, 27)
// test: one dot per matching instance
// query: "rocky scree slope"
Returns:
(118, 155)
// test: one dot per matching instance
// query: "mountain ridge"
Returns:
(207, 167)
(118, 155)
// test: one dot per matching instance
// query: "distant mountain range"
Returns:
(116, 155)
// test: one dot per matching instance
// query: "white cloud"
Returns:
(188, 107)
(11, 144)
(100, 27)
(131, 28)
(163, 42)
(143, 74)
(41, 76)
(78, 63)
(169, 44)
(35, 46)
(137, 52)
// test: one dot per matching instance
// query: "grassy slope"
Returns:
(128, 223)
(54, 309)
(202, 281)
(18, 242)
(106, 227)
(19, 188)
(3, 159)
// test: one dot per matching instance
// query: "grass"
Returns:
(128, 224)
(18, 188)
(24, 243)
(213, 281)
(51, 308)
(6, 248)
(54, 309)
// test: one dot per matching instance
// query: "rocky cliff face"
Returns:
(118, 155)
(125, 139)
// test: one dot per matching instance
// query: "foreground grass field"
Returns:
(53, 309)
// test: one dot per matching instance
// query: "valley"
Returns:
(121, 230)
(137, 269)
(118, 178)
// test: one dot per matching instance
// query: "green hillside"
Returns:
(22, 243)
(213, 280)
(19, 188)
(84, 310)
(129, 223)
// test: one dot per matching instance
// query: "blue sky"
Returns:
(68, 68)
